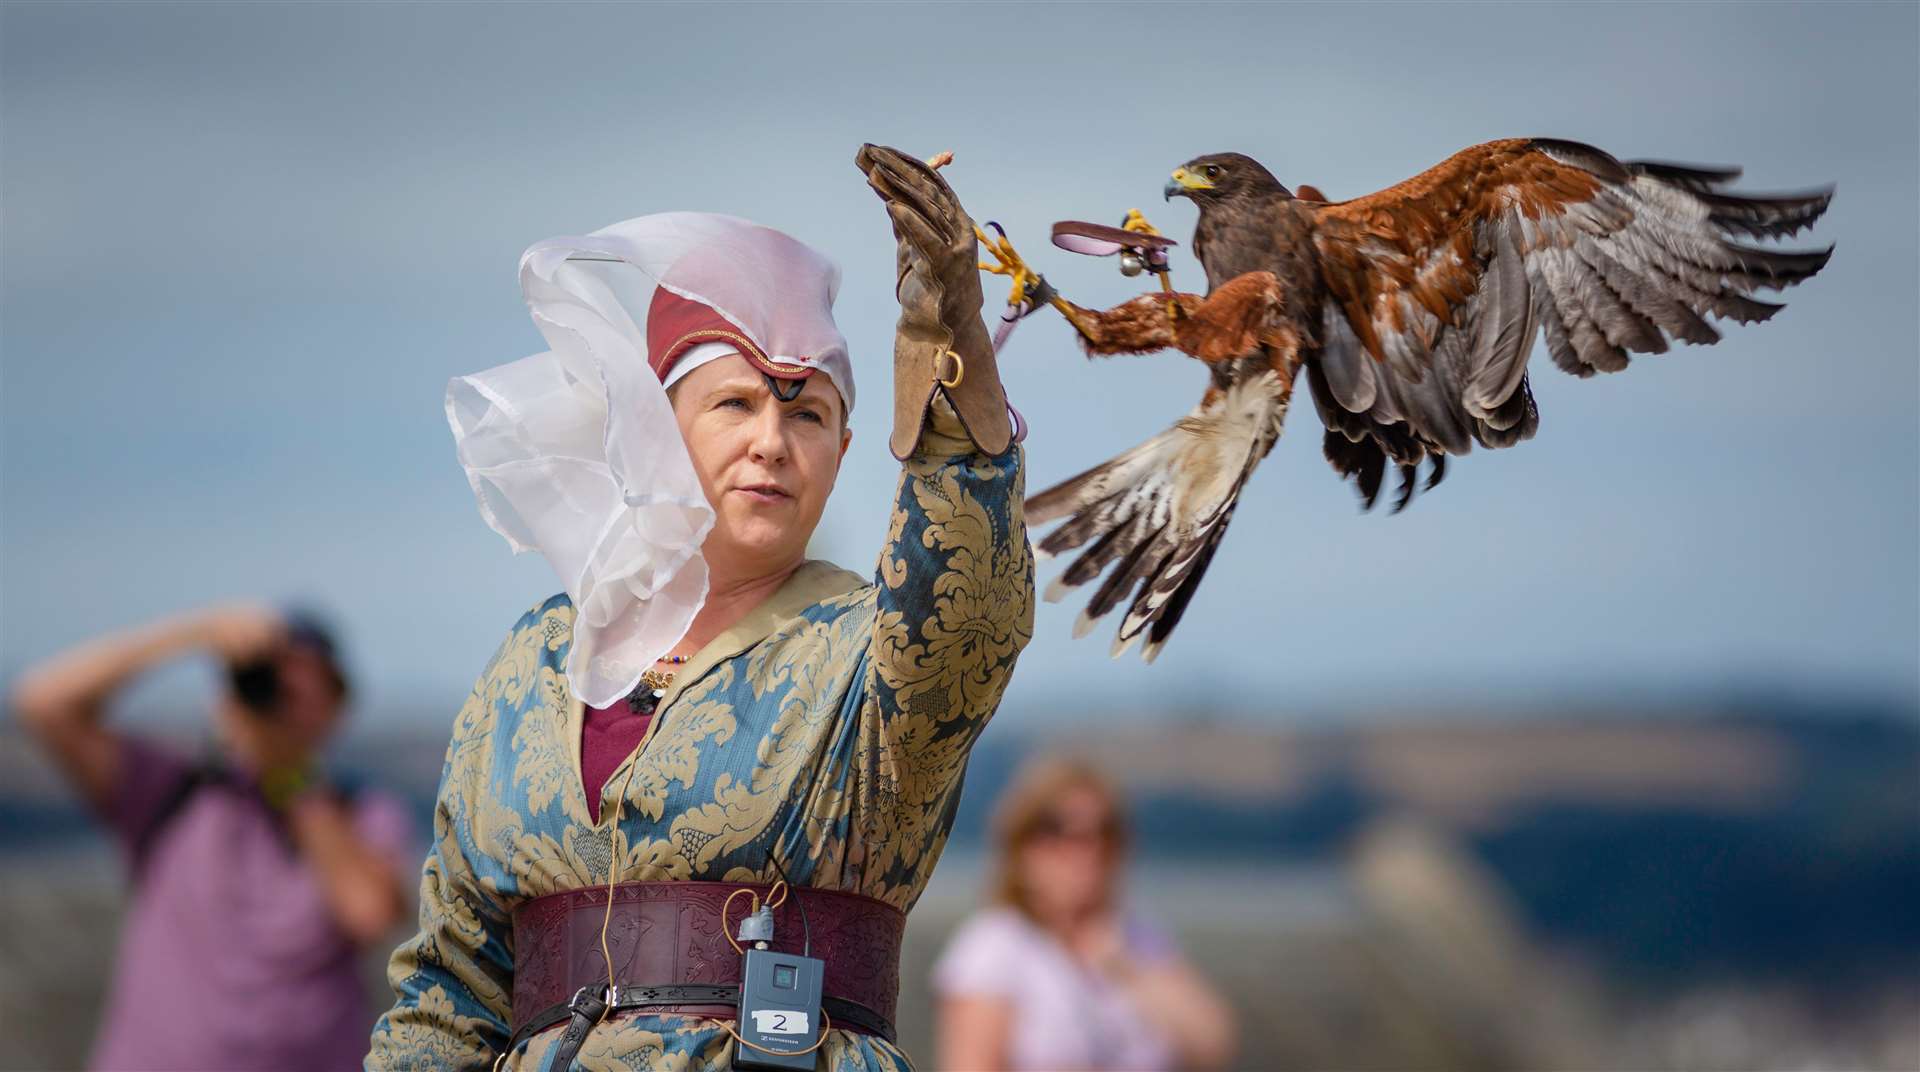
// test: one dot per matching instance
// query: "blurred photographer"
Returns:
(255, 878)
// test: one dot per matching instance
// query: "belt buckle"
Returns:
(589, 1002)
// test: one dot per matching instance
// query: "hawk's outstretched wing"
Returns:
(1437, 286)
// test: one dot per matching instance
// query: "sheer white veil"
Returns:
(575, 453)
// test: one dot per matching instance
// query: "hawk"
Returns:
(1411, 313)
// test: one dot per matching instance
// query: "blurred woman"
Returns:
(1058, 974)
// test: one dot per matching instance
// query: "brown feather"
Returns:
(1607, 258)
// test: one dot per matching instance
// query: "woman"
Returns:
(705, 710)
(1058, 975)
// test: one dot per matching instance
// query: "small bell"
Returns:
(1131, 264)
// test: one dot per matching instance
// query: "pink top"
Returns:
(1065, 1016)
(229, 958)
(608, 735)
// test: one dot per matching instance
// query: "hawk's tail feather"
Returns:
(1071, 495)
(1161, 607)
(1152, 518)
(1126, 575)
(1176, 606)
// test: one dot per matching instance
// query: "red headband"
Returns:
(676, 325)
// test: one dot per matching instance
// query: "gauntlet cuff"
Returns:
(941, 343)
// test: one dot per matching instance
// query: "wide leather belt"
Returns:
(668, 942)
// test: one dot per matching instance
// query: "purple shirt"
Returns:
(1065, 1016)
(229, 958)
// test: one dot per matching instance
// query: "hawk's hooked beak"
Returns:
(1184, 183)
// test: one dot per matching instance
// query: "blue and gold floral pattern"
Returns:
(829, 729)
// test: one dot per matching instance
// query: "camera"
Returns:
(256, 682)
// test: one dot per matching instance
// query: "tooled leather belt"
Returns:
(670, 954)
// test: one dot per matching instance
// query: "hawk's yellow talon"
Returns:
(1007, 263)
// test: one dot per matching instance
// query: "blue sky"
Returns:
(244, 247)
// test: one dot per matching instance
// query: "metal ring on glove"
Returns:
(959, 371)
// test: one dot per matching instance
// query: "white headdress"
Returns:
(575, 452)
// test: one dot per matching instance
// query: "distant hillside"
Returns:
(1673, 845)
(1673, 848)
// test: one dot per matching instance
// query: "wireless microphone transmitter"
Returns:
(779, 1012)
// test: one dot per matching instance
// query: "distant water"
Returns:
(1187, 892)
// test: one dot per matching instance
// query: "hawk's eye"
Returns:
(1213, 171)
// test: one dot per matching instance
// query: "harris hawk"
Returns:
(1412, 313)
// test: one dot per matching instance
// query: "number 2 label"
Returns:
(781, 1022)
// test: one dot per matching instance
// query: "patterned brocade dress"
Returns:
(830, 729)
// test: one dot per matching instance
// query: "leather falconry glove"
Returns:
(941, 343)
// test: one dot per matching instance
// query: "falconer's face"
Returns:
(766, 466)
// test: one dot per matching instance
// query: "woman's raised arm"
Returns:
(955, 579)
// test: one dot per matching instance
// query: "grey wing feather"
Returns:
(1646, 260)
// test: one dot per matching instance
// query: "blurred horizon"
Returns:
(245, 247)
(1730, 891)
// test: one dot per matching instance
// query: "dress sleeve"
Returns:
(954, 607)
(452, 981)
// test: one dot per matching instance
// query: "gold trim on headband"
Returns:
(752, 350)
